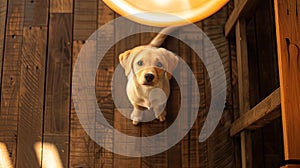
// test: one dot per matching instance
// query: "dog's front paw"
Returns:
(135, 118)
(162, 116)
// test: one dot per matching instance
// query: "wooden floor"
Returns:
(39, 43)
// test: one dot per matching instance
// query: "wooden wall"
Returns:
(39, 43)
(267, 142)
(263, 145)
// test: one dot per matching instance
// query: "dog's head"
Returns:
(148, 64)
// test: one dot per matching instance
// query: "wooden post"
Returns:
(243, 86)
(288, 43)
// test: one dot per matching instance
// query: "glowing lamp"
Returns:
(165, 12)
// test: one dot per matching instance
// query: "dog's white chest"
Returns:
(147, 96)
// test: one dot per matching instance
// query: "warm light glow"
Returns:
(4, 157)
(161, 2)
(50, 155)
(166, 12)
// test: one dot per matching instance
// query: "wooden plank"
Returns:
(120, 122)
(61, 6)
(125, 125)
(254, 90)
(235, 96)
(219, 146)
(184, 79)
(57, 100)
(15, 18)
(288, 42)
(266, 48)
(243, 85)
(243, 8)
(9, 108)
(174, 153)
(190, 149)
(199, 73)
(10, 95)
(263, 77)
(31, 95)
(104, 158)
(150, 129)
(85, 18)
(291, 166)
(81, 145)
(253, 61)
(153, 127)
(242, 63)
(258, 116)
(3, 14)
(273, 143)
(263, 54)
(36, 13)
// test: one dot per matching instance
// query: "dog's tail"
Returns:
(161, 36)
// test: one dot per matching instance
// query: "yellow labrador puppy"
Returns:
(148, 71)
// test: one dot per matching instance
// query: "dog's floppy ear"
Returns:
(170, 59)
(127, 57)
(126, 60)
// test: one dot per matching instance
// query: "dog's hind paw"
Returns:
(162, 116)
(134, 122)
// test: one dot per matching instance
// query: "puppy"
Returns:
(148, 70)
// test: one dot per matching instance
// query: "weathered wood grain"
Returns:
(81, 146)
(243, 88)
(85, 18)
(15, 20)
(125, 126)
(258, 114)
(288, 41)
(10, 95)
(198, 68)
(31, 101)
(57, 96)
(266, 49)
(153, 127)
(36, 12)
(11, 78)
(184, 79)
(61, 6)
(220, 148)
(104, 76)
(263, 77)
(106, 68)
(3, 14)
(235, 96)
(243, 8)
(173, 104)
(120, 122)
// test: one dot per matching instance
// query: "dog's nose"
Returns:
(149, 77)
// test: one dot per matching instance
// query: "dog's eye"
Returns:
(159, 64)
(140, 63)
